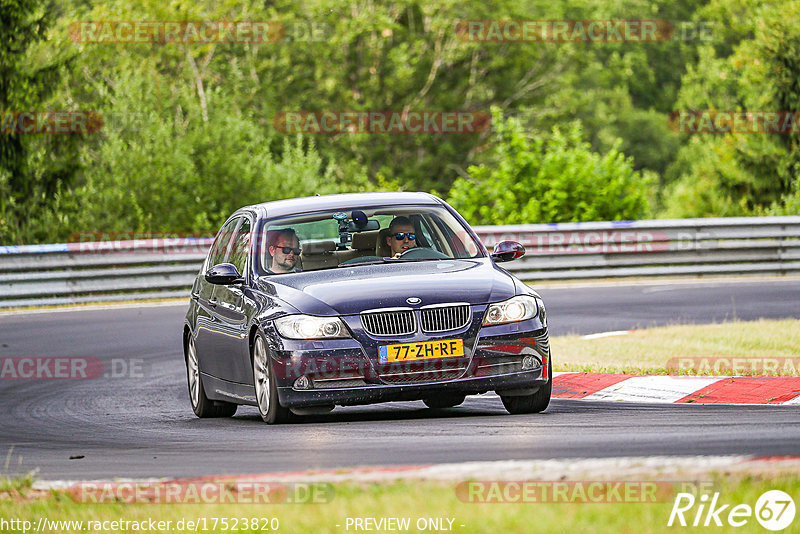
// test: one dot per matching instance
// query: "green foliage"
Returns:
(790, 203)
(187, 174)
(556, 178)
(623, 90)
(33, 168)
(754, 65)
(189, 133)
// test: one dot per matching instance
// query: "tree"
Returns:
(33, 168)
(741, 173)
(555, 178)
(181, 173)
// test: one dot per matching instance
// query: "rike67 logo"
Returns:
(774, 510)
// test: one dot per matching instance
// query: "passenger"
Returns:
(284, 247)
(401, 236)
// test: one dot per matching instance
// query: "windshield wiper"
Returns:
(370, 262)
(389, 260)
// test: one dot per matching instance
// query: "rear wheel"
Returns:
(534, 403)
(201, 405)
(266, 389)
(447, 400)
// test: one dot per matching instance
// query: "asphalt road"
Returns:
(139, 423)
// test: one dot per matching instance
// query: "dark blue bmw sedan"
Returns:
(310, 303)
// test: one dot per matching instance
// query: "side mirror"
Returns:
(224, 274)
(507, 251)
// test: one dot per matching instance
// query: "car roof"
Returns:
(345, 202)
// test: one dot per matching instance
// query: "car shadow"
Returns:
(394, 411)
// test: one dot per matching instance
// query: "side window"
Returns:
(241, 246)
(455, 241)
(427, 238)
(220, 246)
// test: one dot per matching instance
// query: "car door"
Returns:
(233, 352)
(208, 325)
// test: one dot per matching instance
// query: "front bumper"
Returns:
(293, 398)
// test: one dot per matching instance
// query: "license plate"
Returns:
(423, 350)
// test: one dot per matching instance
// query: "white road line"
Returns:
(606, 334)
(795, 400)
(689, 281)
(99, 307)
(652, 389)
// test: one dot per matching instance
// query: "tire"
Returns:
(535, 403)
(266, 389)
(202, 406)
(445, 400)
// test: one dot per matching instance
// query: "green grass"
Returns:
(413, 500)
(649, 351)
(15, 486)
(91, 304)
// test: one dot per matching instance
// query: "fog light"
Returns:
(302, 383)
(528, 362)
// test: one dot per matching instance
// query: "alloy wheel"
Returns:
(261, 374)
(193, 369)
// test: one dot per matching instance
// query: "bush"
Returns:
(555, 178)
(186, 174)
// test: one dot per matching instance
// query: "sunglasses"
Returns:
(401, 235)
(287, 250)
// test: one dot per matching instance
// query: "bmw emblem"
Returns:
(413, 300)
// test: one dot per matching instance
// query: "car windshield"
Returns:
(327, 240)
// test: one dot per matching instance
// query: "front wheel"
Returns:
(534, 403)
(201, 405)
(266, 388)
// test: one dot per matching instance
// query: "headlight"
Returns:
(310, 327)
(515, 309)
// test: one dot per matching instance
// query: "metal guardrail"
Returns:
(163, 268)
(99, 271)
(669, 247)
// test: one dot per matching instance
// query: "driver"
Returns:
(284, 247)
(401, 236)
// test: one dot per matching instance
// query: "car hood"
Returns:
(353, 289)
